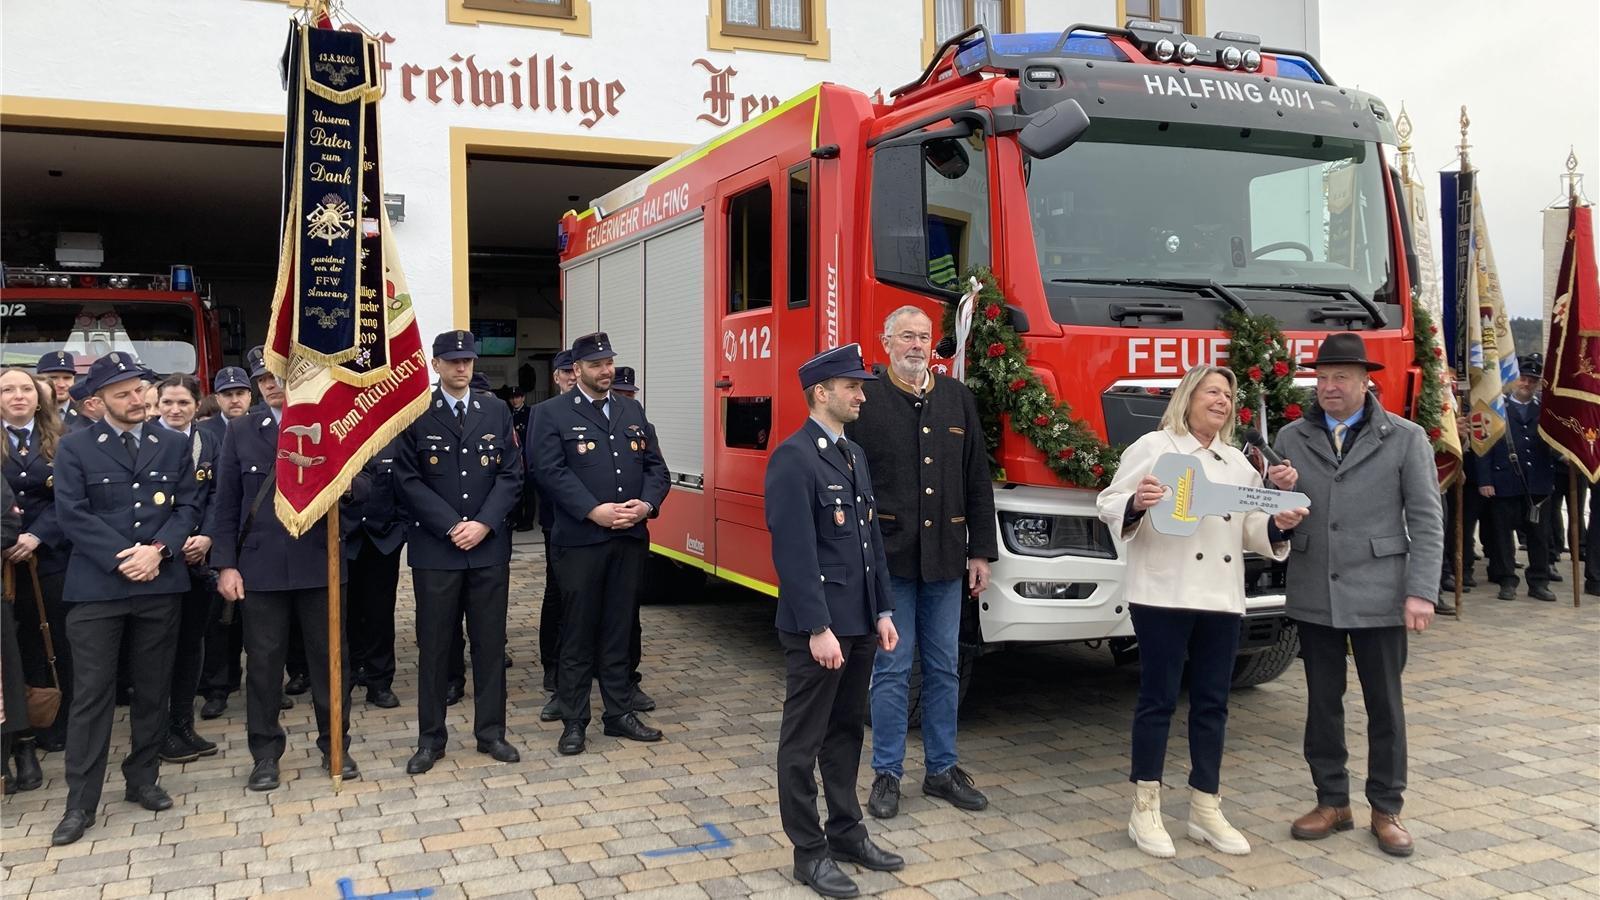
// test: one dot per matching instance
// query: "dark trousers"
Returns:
(374, 578)
(221, 672)
(1168, 638)
(458, 652)
(550, 621)
(824, 713)
(442, 595)
(1380, 655)
(599, 586)
(1552, 518)
(1471, 512)
(96, 631)
(1591, 540)
(193, 614)
(1508, 517)
(268, 634)
(297, 662)
(30, 642)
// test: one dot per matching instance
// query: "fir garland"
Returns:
(1428, 353)
(1260, 360)
(1006, 387)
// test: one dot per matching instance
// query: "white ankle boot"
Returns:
(1144, 826)
(1207, 825)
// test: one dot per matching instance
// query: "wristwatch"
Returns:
(165, 553)
(819, 629)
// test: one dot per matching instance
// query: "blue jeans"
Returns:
(927, 614)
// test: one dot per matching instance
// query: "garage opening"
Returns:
(514, 274)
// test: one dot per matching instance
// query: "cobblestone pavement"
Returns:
(1504, 710)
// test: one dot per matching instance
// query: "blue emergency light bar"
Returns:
(1010, 52)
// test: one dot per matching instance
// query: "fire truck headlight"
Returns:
(1231, 57)
(1033, 534)
(1165, 50)
(1252, 60)
(1055, 590)
(1188, 52)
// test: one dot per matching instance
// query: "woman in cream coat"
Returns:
(1186, 598)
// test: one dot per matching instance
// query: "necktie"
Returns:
(461, 413)
(132, 445)
(600, 405)
(21, 438)
(1339, 432)
(849, 458)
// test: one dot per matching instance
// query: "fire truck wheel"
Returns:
(666, 581)
(1264, 666)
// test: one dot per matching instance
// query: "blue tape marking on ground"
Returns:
(718, 841)
(347, 891)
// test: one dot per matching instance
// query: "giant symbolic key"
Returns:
(1190, 496)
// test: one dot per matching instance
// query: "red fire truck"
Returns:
(1127, 186)
(163, 320)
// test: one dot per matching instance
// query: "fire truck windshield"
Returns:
(160, 335)
(1271, 215)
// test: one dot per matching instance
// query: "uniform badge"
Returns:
(483, 460)
(49, 481)
(583, 447)
(433, 460)
(822, 443)
(591, 445)
(633, 445)
(199, 474)
(838, 516)
(101, 439)
(159, 499)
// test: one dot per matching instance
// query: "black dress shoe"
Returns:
(423, 760)
(175, 749)
(286, 702)
(551, 711)
(1467, 581)
(1555, 576)
(1591, 589)
(1445, 609)
(454, 693)
(52, 743)
(824, 876)
(72, 827)
(348, 771)
(186, 733)
(214, 707)
(500, 750)
(867, 855)
(572, 740)
(149, 796)
(955, 785)
(642, 702)
(263, 775)
(883, 802)
(628, 726)
(1541, 592)
(29, 776)
(297, 685)
(506, 658)
(1507, 592)
(383, 698)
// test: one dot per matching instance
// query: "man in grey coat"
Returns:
(1363, 570)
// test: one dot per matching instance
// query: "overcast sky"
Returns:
(1529, 76)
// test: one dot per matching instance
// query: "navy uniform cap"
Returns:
(563, 361)
(1531, 365)
(230, 378)
(56, 361)
(256, 361)
(591, 347)
(623, 380)
(479, 382)
(112, 368)
(455, 345)
(79, 392)
(840, 362)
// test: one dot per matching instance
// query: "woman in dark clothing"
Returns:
(27, 459)
(13, 689)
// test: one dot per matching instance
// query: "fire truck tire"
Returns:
(667, 581)
(1264, 666)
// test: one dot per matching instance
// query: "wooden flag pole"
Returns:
(1460, 536)
(335, 653)
(1572, 531)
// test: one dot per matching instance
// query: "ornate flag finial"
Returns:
(1403, 128)
(1465, 123)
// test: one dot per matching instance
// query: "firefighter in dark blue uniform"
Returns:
(374, 555)
(125, 492)
(459, 477)
(178, 399)
(86, 407)
(625, 384)
(1515, 488)
(550, 604)
(834, 611)
(224, 645)
(273, 577)
(598, 464)
(28, 449)
(59, 370)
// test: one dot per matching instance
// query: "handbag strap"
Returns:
(44, 623)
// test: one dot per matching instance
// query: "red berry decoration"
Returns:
(1019, 384)
(1292, 412)
(991, 312)
(1433, 434)
(1065, 453)
(1098, 470)
(1041, 420)
(1438, 352)
(1255, 373)
(997, 349)
(1246, 415)
(1280, 368)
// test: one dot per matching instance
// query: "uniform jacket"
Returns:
(32, 483)
(825, 542)
(72, 420)
(270, 560)
(519, 423)
(1203, 571)
(580, 459)
(1533, 454)
(935, 497)
(449, 474)
(1376, 531)
(108, 504)
(204, 449)
(381, 519)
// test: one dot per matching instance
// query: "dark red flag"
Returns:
(1570, 419)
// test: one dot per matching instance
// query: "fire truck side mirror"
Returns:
(1053, 130)
(899, 216)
